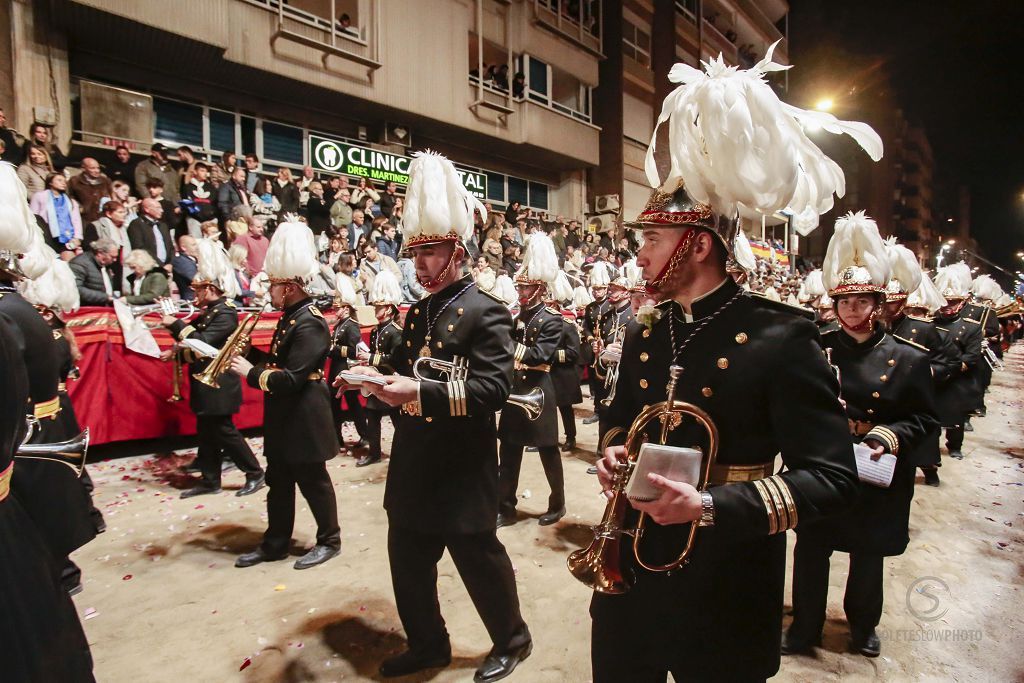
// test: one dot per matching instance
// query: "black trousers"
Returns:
(353, 411)
(218, 437)
(373, 420)
(955, 437)
(862, 601)
(510, 462)
(315, 484)
(94, 513)
(486, 572)
(568, 421)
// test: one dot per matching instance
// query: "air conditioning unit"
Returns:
(602, 223)
(607, 202)
(397, 134)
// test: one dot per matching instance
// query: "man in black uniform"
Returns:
(537, 332)
(215, 287)
(980, 310)
(960, 396)
(592, 336)
(943, 354)
(613, 330)
(50, 492)
(297, 438)
(385, 296)
(344, 350)
(442, 489)
(565, 376)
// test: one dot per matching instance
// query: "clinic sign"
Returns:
(335, 156)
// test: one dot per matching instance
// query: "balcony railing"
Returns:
(578, 24)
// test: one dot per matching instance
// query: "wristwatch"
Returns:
(707, 509)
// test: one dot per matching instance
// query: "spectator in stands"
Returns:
(355, 229)
(513, 259)
(155, 189)
(308, 176)
(514, 212)
(122, 192)
(13, 143)
(373, 262)
(263, 202)
(255, 243)
(347, 268)
(572, 237)
(362, 191)
(34, 170)
(493, 253)
(386, 243)
(40, 134)
(221, 172)
(149, 233)
(519, 85)
(186, 164)
(113, 227)
(558, 239)
(148, 281)
(341, 210)
(184, 266)
(89, 187)
(286, 191)
(122, 167)
(232, 194)
(388, 199)
(252, 171)
(200, 192)
(156, 167)
(237, 254)
(335, 248)
(60, 212)
(96, 284)
(318, 213)
(411, 288)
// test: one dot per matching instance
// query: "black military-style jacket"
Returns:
(943, 353)
(344, 342)
(888, 389)
(985, 316)
(592, 328)
(67, 418)
(537, 333)
(445, 455)
(384, 340)
(615, 320)
(297, 423)
(824, 327)
(213, 326)
(565, 371)
(963, 392)
(757, 368)
(41, 362)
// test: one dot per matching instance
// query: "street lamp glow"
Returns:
(951, 242)
(824, 104)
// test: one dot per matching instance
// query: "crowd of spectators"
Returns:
(128, 223)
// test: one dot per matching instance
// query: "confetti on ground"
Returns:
(245, 663)
(280, 587)
(89, 613)
(126, 577)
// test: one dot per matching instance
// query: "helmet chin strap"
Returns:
(679, 255)
(434, 282)
(864, 326)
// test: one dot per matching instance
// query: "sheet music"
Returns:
(875, 472)
(201, 347)
(354, 378)
(671, 462)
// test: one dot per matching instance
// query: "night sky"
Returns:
(956, 69)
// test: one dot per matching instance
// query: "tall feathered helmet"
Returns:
(600, 275)
(581, 297)
(814, 287)
(291, 255)
(505, 289)
(438, 207)
(55, 290)
(17, 224)
(385, 290)
(562, 290)
(856, 261)
(345, 293)
(540, 263)
(38, 259)
(214, 268)
(906, 271)
(954, 282)
(737, 151)
(926, 297)
(986, 289)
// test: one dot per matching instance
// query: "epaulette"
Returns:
(762, 300)
(492, 295)
(917, 317)
(316, 311)
(912, 343)
(971, 320)
(551, 309)
(230, 304)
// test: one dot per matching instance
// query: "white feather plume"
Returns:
(772, 294)
(17, 224)
(436, 201)
(926, 296)
(38, 258)
(985, 288)
(599, 275)
(385, 289)
(562, 289)
(581, 297)
(215, 266)
(485, 279)
(856, 242)
(505, 289)
(954, 280)
(67, 287)
(737, 147)
(346, 292)
(813, 284)
(292, 253)
(742, 252)
(540, 261)
(903, 262)
(1004, 300)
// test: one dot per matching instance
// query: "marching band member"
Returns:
(215, 287)
(49, 492)
(986, 292)
(297, 437)
(943, 353)
(825, 316)
(886, 387)
(565, 369)
(960, 396)
(718, 616)
(537, 332)
(592, 337)
(613, 328)
(344, 351)
(385, 297)
(442, 488)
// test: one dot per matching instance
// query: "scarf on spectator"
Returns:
(58, 217)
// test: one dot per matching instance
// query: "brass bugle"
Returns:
(457, 370)
(235, 345)
(532, 402)
(71, 452)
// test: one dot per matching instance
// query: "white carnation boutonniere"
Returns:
(648, 315)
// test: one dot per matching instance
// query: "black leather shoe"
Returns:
(569, 445)
(592, 469)
(931, 477)
(410, 662)
(362, 444)
(983, 412)
(75, 590)
(318, 555)
(367, 460)
(227, 466)
(252, 485)
(794, 646)
(256, 557)
(498, 666)
(956, 455)
(591, 420)
(551, 516)
(869, 646)
(200, 490)
(506, 519)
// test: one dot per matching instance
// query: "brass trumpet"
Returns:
(599, 565)
(178, 309)
(457, 370)
(71, 452)
(235, 345)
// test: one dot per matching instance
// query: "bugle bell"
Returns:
(177, 309)
(235, 345)
(457, 370)
(71, 452)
